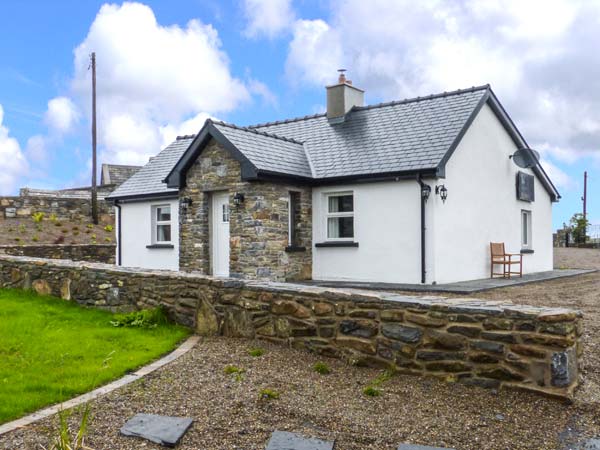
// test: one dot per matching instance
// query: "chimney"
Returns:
(341, 97)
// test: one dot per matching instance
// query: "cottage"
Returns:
(411, 191)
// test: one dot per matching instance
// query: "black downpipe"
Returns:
(118, 232)
(423, 228)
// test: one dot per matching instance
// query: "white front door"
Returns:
(220, 234)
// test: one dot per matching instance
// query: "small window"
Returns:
(225, 213)
(340, 216)
(162, 223)
(294, 218)
(526, 229)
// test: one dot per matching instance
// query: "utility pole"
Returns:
(94, 189)
(584, 200)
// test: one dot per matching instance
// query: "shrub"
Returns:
(10, 229)
(18, 239)
(22, 228)
(268, 394)
(256, 352)
(38, 216)
(107, 239)
(146, 318)
(372, 391)
(230, 369)
(64, 441)
(35, 238)
(108, 228)
(75, 228)
(321, 368)
(53, 217)
(64, 231)
(90, 226)
(57, 224)
(237, 371)
(75, 233)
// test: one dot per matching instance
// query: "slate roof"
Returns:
(407, 136)
(413, 134)
(117, 174)
(149, 179)
(266, 151)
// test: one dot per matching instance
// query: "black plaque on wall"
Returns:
(525, 187)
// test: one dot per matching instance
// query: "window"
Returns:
(340, 216)
(526, 229)
(225, 213)
(294, 218)
(162, 223)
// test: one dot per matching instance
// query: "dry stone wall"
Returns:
(102, 253)
(64, 208)
(258, 227)
(491, 344)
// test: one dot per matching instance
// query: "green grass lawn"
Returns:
(52, 350)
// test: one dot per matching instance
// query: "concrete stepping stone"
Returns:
(420, 447)
(161, 430)
(284, 440)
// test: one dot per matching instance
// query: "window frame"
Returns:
(156, 223)
(293, 207)
(329, 215)
(526, 230)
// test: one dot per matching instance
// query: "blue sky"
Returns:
(164, 67)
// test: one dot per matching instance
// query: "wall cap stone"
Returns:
(382, 299)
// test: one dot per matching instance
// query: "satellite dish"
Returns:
(525, 158)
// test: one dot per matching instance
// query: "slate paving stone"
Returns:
(284, 440)
(161, 430)
(420, 447)
(590, 444)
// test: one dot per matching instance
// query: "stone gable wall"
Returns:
(102, 253)
(491, 344)
(258, 227)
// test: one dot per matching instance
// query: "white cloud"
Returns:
(560, 178)
(36, 149)
(191, 126)
(538, 56)
(268, 17)
(315, 52)
(151, 78)
(13, 164)
(61, 115)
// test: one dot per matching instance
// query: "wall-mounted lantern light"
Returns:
(186, 202)
(442, 191)
(238, 199)
(425, 191)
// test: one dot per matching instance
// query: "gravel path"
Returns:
(229, 414)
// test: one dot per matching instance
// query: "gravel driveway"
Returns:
(229, 414)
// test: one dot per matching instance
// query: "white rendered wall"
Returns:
(482, 207)
(136, 235)
(386, 227)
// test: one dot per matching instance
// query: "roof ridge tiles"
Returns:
(377, 105)
(186, 136)
(423, 98)
(262, 133)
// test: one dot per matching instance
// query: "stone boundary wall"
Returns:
(491, 344)
(64, 208)
(101, 253)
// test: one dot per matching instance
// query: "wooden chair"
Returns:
(507, 260)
